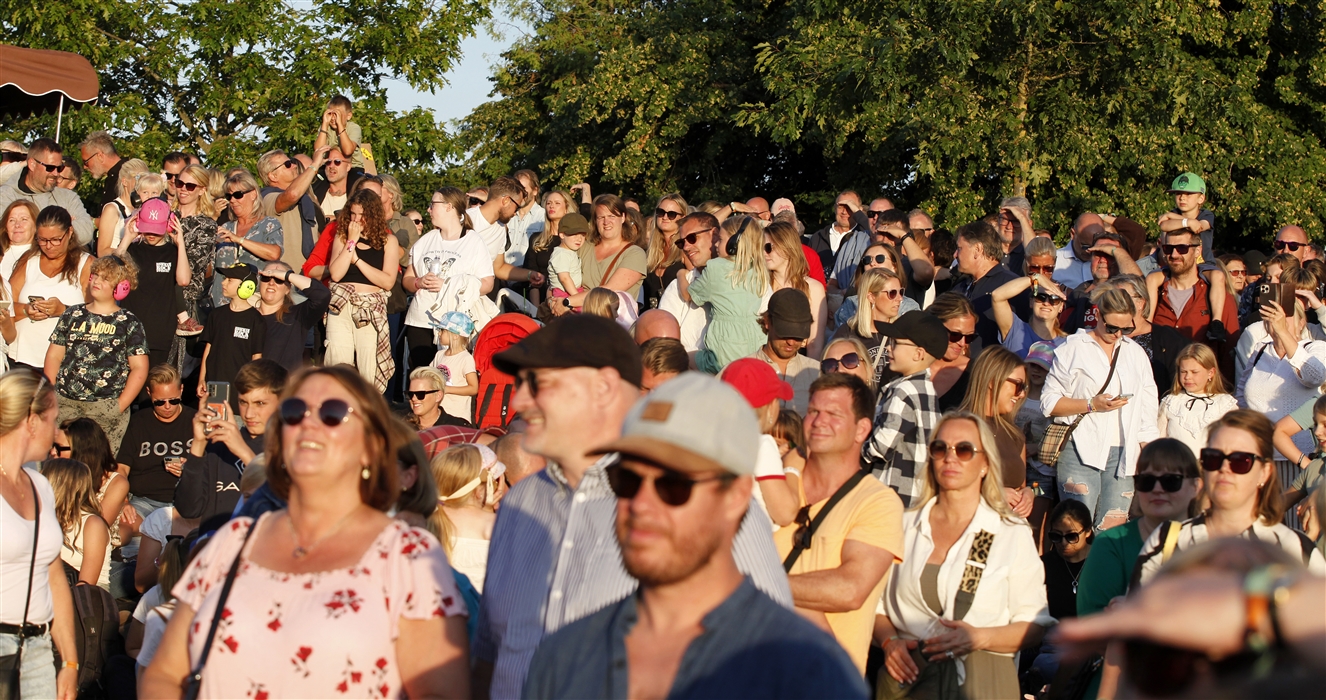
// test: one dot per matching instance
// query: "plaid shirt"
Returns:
(906, 414)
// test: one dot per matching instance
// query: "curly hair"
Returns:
(375, 220)
(114, 269)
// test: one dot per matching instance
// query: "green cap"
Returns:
(1188, 182)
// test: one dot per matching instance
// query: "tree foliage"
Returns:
(233, 78)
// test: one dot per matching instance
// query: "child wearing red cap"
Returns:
(764, 391)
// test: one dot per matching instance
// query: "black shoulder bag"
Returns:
(801, 540)
(11, 664)
(194, 683)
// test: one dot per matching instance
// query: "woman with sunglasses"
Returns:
(935, 635)
(1244, 491)
(249, 237)
(1070, 537)
(1168, 483)
(1104, 377)
(428, 387)
(49, 278)
(730, 291)
(286, 323)
(949, 373)
(849, 356)
(664, 260)
(114, 215)
(1047, 302)
(787, 267)
(881, 293)
(332, 578)
(877, 256)
(197, 215)
(556, 204)
(997, 389)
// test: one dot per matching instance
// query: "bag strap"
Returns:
(1169, 539)
(838, 495)
(32, 563)
(977, 557)
(612, 266)
(196, 675)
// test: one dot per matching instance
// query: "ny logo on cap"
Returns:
(154, 215)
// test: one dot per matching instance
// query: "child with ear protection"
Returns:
(98, 353)
(235, 333)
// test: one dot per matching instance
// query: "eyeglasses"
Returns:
(890, 293)
(768, 248)
(672, 488)
(162, 402)
(1044, 298)
(1279, 245)
(475, 201)
(1019, 385)
(237, 195)
(872, 213)
(272, 279)
(47, 242)
(1040, 269)
(667, 214)
(956, 337)
(61, 449)
(692, 237)
(528, 377)
(964, 450)
(878, 259)
(1111, 329)
(1181, 249)
(1146, 483)
(1069, 537)
(1239, 462)
(1238, 273)
(419, 395)
(49, 168)
(331, 413)
(849, 361)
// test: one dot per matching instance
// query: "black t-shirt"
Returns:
(284, 342)
(147, 442)
(654, 284)
(1059, 574)
(235, 337)
(153, 301)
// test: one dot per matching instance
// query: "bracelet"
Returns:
(1090, 407)
(1185, 222)
(70, 664)
(1299, 462)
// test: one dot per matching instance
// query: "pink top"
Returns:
(328, 634)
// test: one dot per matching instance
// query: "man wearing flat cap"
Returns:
(788, 322)
(553, 557)
(696, 627)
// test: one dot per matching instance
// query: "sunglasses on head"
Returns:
(419, 395)
(1046, 298)
(331, 413)
(1040, 269)
(237, 195)
(1069, 537)
(691, 238)
(956, 337)
(878, 259)
(1146, 483)
(270, 278)
(964, 450)
(1181, 248)
(1239, 462)
(662, 213)
(1111, 329)
(849, 361)
(475, 201)
(672, 488)
(1279, 245)
(162, 402)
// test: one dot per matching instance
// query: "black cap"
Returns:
(1255, 261)
(921, 327)
(241, 271)
(576, 340)
(789, 314)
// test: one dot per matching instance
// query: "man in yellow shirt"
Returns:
(843, 543)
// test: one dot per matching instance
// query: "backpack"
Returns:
(96, 636)
(495, 386)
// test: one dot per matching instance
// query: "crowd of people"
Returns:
(296, 439)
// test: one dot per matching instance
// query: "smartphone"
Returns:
(1124, 396)
(5, 304)
(33, 300)
(218, 397)
(1280, 293)
(173, 464)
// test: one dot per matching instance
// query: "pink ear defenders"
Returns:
(121, 290)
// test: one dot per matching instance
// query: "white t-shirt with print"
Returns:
(466, 255)
(457, 366)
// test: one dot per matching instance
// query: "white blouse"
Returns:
(1012, 589)
(1275, 386)
(1185, 417)
(1194, 532)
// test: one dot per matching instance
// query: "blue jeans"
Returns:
(145, 506)
(37, 675)
(1104, 492)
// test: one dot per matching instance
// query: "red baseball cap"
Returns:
(756, 381)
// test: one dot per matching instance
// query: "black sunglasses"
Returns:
(1044, 298)
(768, 247)
(528, 377)
(49, 168)
(61, 449)
(963, 450)
(162, 402)
(672, 487)
(237, 195)
(419, 395)
(417, 222)
(186, 186)
(1111, 329)
(662, 213)
(849, 361)
(878, 259)
(290, 163)
(692, 237)
(1279, 245)
(1181, 248)
(801, 537)
(1146, 483)
(955, 337)
(1069, 537)
(1239, 462)
(872, 213)
(475, 201)
(271, 278)
(332, 412)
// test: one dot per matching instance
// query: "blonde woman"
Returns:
(428, 388)
(467, 478)
(197, 214)
(730, 291)
(110, 227)
(881, 293)
(787, 267)
(664, 259)
(248, 236)
(86, 547)
(935, 634)
(556, 204)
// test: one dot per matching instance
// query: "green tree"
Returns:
(233, 78)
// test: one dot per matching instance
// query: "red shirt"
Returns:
(321, 253)
(816, 270)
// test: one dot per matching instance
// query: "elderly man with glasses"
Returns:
(285, 197)
(37, 182)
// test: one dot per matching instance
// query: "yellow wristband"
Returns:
(71, 664)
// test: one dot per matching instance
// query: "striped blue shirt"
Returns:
(554, 559)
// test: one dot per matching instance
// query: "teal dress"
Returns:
(734, 329)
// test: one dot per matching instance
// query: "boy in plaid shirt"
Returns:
(908, 406)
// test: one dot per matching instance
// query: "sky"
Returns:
(468, 85)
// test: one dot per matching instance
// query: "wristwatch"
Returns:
(566, 303)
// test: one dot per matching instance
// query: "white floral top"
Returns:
(328, 634)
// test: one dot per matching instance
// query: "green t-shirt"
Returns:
(1106, 574)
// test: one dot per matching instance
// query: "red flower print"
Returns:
(356, 676)
(231, 644)
(447, 601)
(381, 663)
(274, 625)
(300, 660)
(257, 691)
(409, 598)
(383, 690)
(342, 687)
(304, 652)
(439, 612)
(341, 600)
(225, 613)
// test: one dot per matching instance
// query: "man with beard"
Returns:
(553, 559)
(1182, 300)
(787, 323)
(696, 627)
(36, 182)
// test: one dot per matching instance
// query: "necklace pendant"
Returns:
(1075, 588)
(300, 553)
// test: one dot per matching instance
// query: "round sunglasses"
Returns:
(672, 488)
(1069, 537)
(331, 413)
(849, 361)
(1239, 462)
(963, 450)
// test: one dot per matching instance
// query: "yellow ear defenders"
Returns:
(247, 288)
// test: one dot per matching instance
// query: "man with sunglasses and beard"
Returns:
(1183, 300)
(696, 627)
(209, 482)
(155, 435)
(36, 182)
(553, 559)
(697, 235)
(285, 197)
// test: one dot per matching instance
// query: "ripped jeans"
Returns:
(1106, 494)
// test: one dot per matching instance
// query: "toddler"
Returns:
(564, 265)
(454, 359)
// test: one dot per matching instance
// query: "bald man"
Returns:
(761, 207)
(656, 323)
(1072, 264)
(1293, 240)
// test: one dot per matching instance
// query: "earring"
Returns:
(365, 474)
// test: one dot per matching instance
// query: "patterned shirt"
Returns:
(554, 559)
(97, 349)
(907, 412)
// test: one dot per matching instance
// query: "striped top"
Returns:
(554, 559)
